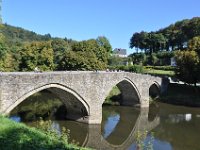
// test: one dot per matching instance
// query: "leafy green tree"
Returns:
(86, 55)
(139, 58)
(173, 37)
(37, 54)
(140, 41)
(194, 44)
(188, 62)
(187, 66)
(60, 46)
(104, 42)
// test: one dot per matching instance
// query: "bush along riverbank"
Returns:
(18, 136)
(181, 94)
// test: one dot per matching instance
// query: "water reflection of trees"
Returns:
(179, 127)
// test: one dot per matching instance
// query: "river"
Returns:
(161, 127)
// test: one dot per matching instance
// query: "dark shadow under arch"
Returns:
(78, 109)
(129, 93)
(154, 90)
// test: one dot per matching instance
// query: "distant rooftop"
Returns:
(119, 52)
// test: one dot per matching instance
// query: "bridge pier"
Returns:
(95, 116)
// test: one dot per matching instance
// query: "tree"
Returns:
(104, 42)
(86, 55)
(188, 62)
(37, 54)
(194, 44)
(173, 37)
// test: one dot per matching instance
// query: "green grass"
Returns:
(181, 94)
(17, 136)
(159, 72)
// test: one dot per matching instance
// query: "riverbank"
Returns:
(181, 94)
(18, 136)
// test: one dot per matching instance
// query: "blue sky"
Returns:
(86, 19)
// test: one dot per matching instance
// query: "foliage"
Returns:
(40, 105)
(159, 58)
(17, 34)
(157, 72)
(167, 68)
(114, 96)
(172, 37)
(18, 136)
(139, 58)
(23, 50)
(130, 68)
(188, 62)
(84, 55)
(37, 54)
(136, 68)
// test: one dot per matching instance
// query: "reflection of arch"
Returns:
(127, 123)
(142, 124)
(48, 86)
(154, 89)
(129, 91)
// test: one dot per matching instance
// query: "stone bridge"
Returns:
(83, 93)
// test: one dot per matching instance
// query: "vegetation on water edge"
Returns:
(18, 136)
(181, 94)
(114, 97)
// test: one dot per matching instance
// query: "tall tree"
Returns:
(188, 62)
(37, 54)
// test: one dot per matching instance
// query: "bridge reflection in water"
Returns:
(118, 130)
(124, 132)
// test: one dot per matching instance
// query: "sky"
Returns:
(85, 19)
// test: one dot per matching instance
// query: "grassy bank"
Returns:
(159, 72)
(181, 94)
(17, 136)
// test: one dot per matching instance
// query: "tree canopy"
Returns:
(188, 62)
(173, 37)
(23, 50)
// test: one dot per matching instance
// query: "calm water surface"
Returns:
(168, 127)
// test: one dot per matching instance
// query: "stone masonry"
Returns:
(83, 91)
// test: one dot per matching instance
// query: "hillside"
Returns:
(17, 34)
(23, 50)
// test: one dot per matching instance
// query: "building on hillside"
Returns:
(119, 52)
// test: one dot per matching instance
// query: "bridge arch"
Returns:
(154, 89)
(48, 86)
(130, 94)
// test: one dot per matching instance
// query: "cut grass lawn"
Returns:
(159, 72)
